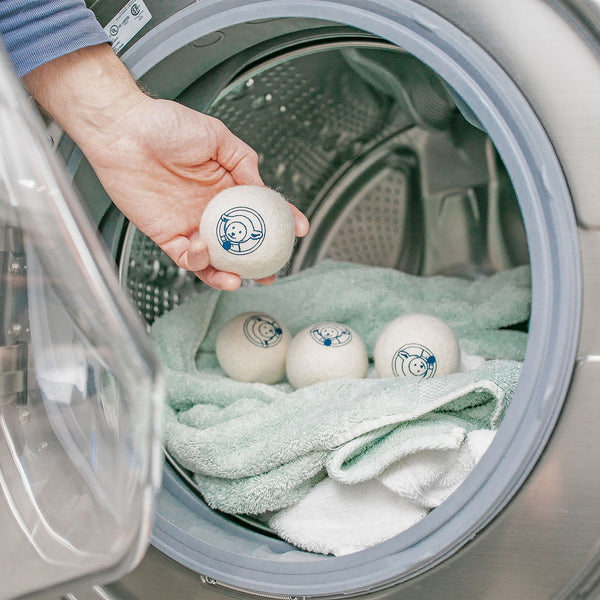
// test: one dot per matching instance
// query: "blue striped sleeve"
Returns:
(37, 31)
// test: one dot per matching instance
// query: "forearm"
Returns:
(85, 91)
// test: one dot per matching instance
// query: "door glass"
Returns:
(80, 389)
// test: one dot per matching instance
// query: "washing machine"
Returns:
(432, 137)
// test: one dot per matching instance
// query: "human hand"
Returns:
(161, 163)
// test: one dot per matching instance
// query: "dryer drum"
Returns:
(413, 139)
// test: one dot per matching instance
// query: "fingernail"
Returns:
(198, 246)
(302, 228)
(230, 282)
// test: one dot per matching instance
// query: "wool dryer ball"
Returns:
(417, 345)
(252, 347)
(325, 351)
(249, 230)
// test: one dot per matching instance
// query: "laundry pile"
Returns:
(341, 465)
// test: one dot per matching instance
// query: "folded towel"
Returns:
(337, 518)
(255, 451)
(430, 476)
(256, 448)
(433, 434)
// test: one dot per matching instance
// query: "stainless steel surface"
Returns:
(93, 593)
(546, 542)
(589, 341)
(154, 282)
(556, 76)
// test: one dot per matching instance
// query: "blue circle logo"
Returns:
(331, 334)
(240, 230)
(414, 360)
(262, 331)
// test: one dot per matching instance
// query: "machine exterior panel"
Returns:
(546, 542)
(529, 552)
(554, 76)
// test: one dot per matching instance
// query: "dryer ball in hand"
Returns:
(252, 347)
(325, 351)
(418, 346)
(249, 230)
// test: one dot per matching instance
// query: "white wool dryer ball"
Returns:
(252, 347)
(417, 345)
(325, 351)
(249, 230)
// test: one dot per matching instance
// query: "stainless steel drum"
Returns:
(394, 165)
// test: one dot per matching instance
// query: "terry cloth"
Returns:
(256, 448)
(255, 456)
(362, 297)
(338, 518)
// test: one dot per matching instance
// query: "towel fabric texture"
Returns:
(341, 465)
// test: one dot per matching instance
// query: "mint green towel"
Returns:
(255, 448)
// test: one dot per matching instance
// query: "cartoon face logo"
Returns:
(262, 330)
(414, 360)
(240, 230)
(331, 334)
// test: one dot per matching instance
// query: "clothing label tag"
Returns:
(131, 18)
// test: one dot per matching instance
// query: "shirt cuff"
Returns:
(38, 31)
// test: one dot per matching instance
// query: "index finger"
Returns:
(237, 157)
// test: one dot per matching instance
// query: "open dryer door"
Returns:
(467, 131)
(81, 389)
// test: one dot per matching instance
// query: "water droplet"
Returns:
(14, 330)
(43, 448)
(24, 416)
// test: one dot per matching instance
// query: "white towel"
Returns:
(335, 518)
(340, 518)
(430, 477)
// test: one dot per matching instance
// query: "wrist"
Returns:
(86, 91)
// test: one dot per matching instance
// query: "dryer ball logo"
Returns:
(240, 230)
(263, 331)
(331, 334)
(414, 360)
